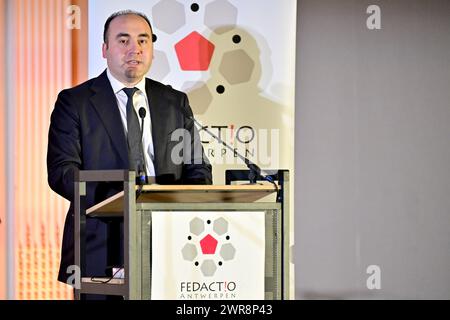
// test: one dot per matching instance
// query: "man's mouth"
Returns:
(133, 62)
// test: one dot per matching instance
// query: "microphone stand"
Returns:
(141, 178)
(255, 170)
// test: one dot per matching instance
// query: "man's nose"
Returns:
(134, 47)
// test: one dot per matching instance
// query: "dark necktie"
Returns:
(135, 152)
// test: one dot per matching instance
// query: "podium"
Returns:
(137, 222)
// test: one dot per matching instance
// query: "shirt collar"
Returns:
(117, 86)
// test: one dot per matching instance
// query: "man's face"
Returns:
(129, 48)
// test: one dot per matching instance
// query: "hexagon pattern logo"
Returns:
(195, 49)
(208, 245)
(194, 52)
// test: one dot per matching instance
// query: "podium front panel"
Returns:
(273, 277)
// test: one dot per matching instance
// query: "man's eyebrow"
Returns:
(122, 34)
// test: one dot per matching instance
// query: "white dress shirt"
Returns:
(139, 100)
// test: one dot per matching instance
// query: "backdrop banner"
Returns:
(236, 62)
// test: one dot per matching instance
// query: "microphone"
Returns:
(255, 170)
(142, 113)
(142, 174)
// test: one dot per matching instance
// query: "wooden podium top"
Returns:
(187, 194)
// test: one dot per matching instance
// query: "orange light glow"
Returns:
(44, 66)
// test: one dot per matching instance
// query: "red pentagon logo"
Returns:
(208, 245)
(194, 52)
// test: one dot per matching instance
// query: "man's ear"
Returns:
(104, 48)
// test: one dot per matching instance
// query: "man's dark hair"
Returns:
(122, 13)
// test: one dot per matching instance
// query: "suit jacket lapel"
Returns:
(105, 103)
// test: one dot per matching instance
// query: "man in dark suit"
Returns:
(88, 131)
